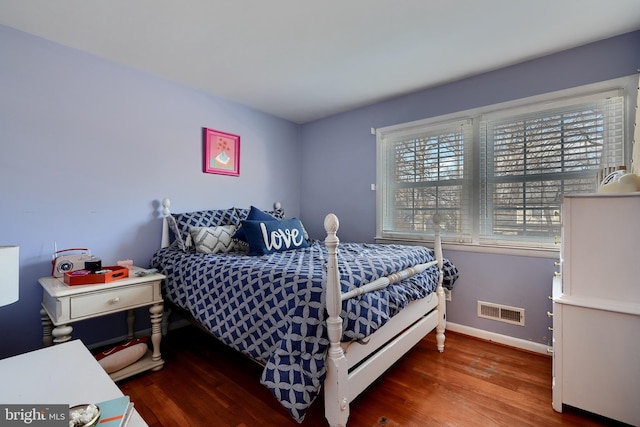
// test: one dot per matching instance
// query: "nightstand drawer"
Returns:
(111, 300)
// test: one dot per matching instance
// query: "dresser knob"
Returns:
(550, 351)
(549, 314)
(557, 263)
(115, 300)
(556, 239)
(550, 328)
(557, 274)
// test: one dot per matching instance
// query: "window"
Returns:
(424, 173)
(496, 175)
(529, 161)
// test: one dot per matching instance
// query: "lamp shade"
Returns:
(9, 274)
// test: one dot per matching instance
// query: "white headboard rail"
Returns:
(166, 211)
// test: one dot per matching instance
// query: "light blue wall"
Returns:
(89, 147)
(338, 157)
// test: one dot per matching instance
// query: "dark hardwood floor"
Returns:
(473, 383)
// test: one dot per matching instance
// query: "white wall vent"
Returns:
(503, 313)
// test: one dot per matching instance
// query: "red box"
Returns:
(83, 277)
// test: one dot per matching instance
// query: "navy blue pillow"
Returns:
(255, 214)
(265, 237)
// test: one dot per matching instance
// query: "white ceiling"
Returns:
(303, 60)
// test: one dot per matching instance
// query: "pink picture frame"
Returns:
(221, 153)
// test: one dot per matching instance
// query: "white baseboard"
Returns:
(501, 339)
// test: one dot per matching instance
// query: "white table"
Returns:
(63, 374)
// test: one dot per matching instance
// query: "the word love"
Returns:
(277, 239)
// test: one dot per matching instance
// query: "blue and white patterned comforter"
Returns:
(272, 307)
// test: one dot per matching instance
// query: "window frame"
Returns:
(624, 86)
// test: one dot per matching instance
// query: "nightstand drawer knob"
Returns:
(550, 351)
(115, 300)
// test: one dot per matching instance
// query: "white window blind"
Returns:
(529, 161)
(424, 173)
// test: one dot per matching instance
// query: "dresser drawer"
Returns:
(111, 301)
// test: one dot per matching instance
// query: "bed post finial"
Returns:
(437, 219)
(331, 224)
(166, 204)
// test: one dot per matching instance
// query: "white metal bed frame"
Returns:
(373, 356)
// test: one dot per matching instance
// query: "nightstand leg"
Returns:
(156, 335)
(62, 333)
(131, 318)
(47, 327)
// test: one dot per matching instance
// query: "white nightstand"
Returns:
(63, 304)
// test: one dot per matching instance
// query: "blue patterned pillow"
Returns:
(265, 237)
(450, 274)
(181, 224)
(254, 214)
(243, 213)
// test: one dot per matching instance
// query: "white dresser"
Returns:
(596, 307)
(65, 374)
